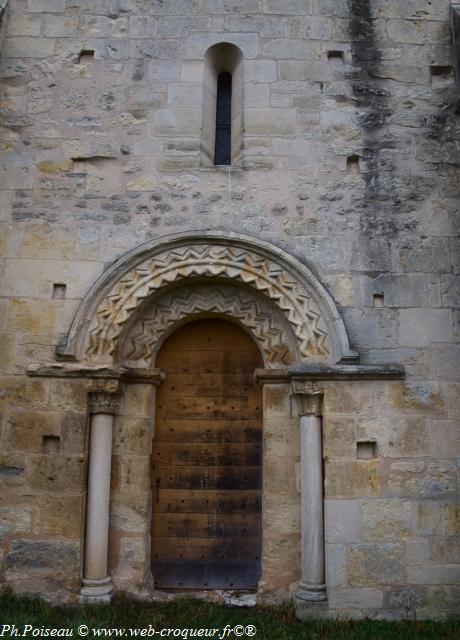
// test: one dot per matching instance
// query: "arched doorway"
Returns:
(206, 468)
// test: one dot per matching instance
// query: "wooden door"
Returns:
(207, 460)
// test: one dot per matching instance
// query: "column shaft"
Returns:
(98, 499)
(97, 584)
(312, 508)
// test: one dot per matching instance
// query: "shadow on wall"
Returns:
(3, 4)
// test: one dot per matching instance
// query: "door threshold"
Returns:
(229, 597)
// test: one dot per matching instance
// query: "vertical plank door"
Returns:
(206, 469)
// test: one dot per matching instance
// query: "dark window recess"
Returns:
(224, 119)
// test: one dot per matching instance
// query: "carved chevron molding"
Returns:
(170, 309)
(207, 261)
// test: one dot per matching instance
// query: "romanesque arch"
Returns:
(273, 294)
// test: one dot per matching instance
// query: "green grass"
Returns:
(272, 623)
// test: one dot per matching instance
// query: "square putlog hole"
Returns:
(366, 449)
(86, 56)
(51, 445)
(336, 56)
(59, 291)
(378, 300)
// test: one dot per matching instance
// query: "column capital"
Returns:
(103, 402)
(309, 400)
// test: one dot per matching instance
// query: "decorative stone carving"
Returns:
(237, 304)
(309, 400)
(208, 261)
(103, 403)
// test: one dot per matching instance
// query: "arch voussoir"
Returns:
(269, 273)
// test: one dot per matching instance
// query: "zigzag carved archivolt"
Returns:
(209, 261)
(239, 306)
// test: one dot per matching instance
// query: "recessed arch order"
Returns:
(274, 296)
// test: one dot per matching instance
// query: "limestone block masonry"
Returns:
(332, 240)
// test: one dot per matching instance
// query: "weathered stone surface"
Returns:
(341, 521)
(387, 520)
(41, 556)
(59, 473)
(61, 516)
(416, 397)
(26, 429)
(421, 327)
(375, 564)
(14, 520)
(348, 160)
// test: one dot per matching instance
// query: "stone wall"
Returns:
(350, 162)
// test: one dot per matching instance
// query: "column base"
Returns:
(310, 602)
(310, 593)
(96, 591)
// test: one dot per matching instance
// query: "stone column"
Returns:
(312, 588)
(97, 584)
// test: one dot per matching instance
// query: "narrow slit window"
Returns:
(223, 145)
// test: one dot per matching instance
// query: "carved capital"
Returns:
(103, 403)
(309, 400)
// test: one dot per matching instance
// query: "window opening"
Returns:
(223, 145)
